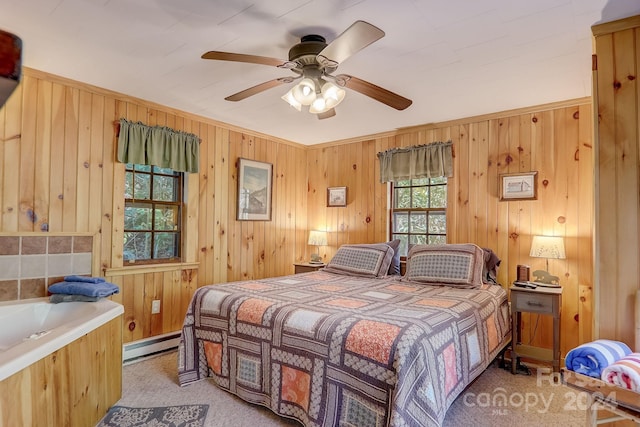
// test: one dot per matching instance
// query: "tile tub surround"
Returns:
(30, 263)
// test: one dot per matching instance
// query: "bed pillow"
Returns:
(394, 268)
(457, 265)
(366, 260)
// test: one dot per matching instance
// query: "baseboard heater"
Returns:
(149, 346)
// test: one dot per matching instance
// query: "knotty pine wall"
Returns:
(617, 97)
(555, 140)
(57, 145)
(58, 173)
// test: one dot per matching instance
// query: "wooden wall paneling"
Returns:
(246, 258)
(627, 177)
(331, 214)
(96, 162)
(11, 168)
(369, 183)
(281, 210)
(491, 191)
(258, 238)
(221, 197)
(107, 167)
(471, 182)
(288, 175)
(138, 289)
(270, 245)
(498, 146)
(605, 226)
(210, 206)
(459, 135)
(27, 155)
(584, 254)
(56, 158)
(234, 228)
(381, 199)
(83, 158)
(301, 205)
(69, 212)
(567, 269)
(463, 216)
(481, 184)
(358, 200)
(190, 215)
(203, 177)
(42, 175)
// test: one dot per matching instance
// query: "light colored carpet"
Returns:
(496, 398)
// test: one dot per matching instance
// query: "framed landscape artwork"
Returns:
(519, 186)
(254, 190)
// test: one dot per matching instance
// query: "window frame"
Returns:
(427, 210)
(155, 204)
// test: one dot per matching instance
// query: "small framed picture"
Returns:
(336, 196)
(254, 190)
(519, 186)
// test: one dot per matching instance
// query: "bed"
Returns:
(349, 344)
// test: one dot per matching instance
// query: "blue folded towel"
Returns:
(101, 289)
(58, 298)
(592, 357)
(84, 279)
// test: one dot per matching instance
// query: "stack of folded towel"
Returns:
(593, 357)
(81, 288)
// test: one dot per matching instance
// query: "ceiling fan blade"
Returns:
(373, 91)
(254, 90)
(355, 38)
(240, 57)
(327, 114)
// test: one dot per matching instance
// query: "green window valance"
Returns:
(420, 161)
(158, 146)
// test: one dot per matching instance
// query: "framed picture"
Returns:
(254, 190)
(337, 196)
(519, 186)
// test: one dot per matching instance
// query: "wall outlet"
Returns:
(155, 306)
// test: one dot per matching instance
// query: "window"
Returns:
(419, 212)
(152, 214)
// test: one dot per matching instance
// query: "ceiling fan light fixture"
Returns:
(305, 91)
(291, 100)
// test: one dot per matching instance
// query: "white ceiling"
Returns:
(454, 59)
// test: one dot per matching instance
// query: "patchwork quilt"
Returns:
(329, 349)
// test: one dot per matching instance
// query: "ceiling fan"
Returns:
(314, 61)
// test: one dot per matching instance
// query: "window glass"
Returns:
(419, 212)
(153, 206)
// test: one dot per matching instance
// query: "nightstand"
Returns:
(305, 267)
(541, 300)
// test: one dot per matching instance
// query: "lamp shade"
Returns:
(305, 91)
(318, 238)
(551, 247)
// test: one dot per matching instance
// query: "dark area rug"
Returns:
(169, 416)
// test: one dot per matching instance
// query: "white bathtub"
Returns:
(31, 329)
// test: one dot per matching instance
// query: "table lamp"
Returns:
(317, 238)
(548, 247)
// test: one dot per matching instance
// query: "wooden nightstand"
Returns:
(305, 267)
(541, 300)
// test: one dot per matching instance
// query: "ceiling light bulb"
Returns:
(305, 91)
(332, 94)
(318, 106)
(288, 97)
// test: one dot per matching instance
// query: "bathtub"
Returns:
(34, 328)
